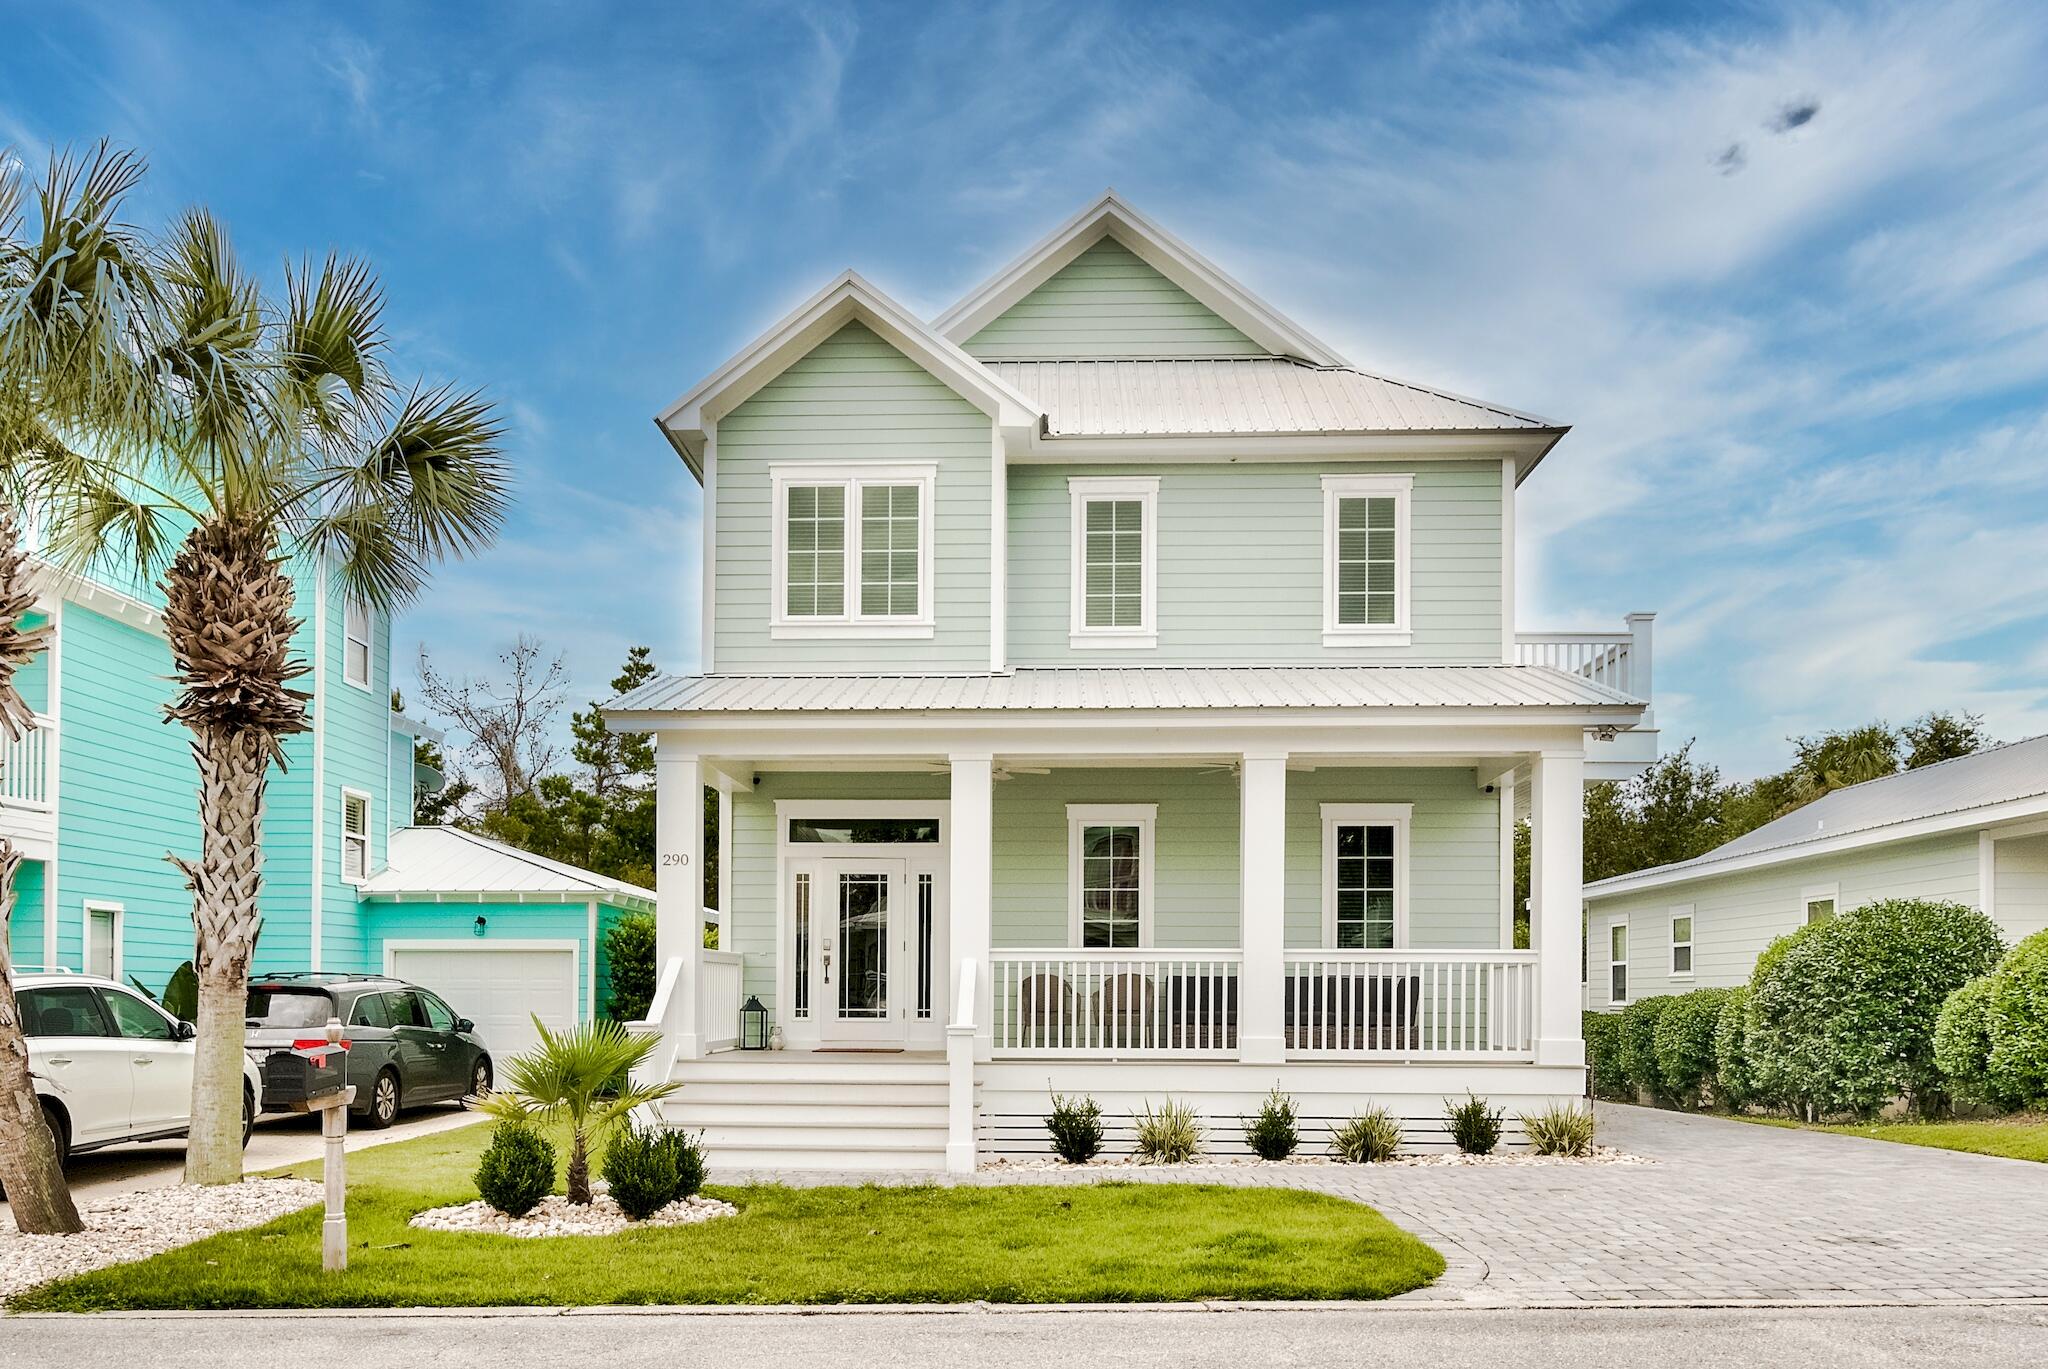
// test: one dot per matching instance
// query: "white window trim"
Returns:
(1397, 815)
(368, 641)
(852, 624)
(1814, 893)
(1144, 817)
(1399, 632)
(1081, 490)
(1611, 962)
(120, 912)
(369, 828)
(1691, 943)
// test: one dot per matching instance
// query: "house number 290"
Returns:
(671, 858)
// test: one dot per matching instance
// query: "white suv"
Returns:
(109, 1065)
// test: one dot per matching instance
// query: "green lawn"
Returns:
(2016, 1138)
(1105, 1242)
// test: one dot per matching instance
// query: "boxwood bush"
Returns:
(1684, 1042)
(1639, 1043)
(1734, 1082)
(2019, 1021)
(516, 1170)
(1842, 1012)
(1962, 1045)
(1605, 1076)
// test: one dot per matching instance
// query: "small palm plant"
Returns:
(581, 1076)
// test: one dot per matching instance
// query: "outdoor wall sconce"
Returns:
(478, 929)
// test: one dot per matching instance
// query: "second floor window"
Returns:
(355, 632)
(355, 835)
(1114, 536)
(853, 550)
(1365, 570)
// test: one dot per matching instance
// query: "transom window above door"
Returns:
(853, 551)
(1365, 560)
(1109, 874)
(1365, 875)
(1115, 537)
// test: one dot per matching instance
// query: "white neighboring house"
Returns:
(1110, 689)
(1971, 830)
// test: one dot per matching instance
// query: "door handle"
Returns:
(145, 1060)
(60, 1059)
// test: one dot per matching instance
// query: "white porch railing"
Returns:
(665, 1020)
(25, 780)
(719, 1021)
(1619, 660)
(1409, 1005)
(1124, 1004)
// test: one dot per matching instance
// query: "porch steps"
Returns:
(802, 1111)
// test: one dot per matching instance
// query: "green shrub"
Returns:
(1605, 1076)
(640, 1171)
(2019, 1022)
(1962, 1044)
(1562, 1129)
(1169, 1136)
(1734, 1084)
(1474, 1126)
(688, 1152)
(1842, 1015)
(1369, 1137)
(1273, 1134)
(1076, 1128)
(181, 994)
(1684, 1041)
(517, 1169)
(1638, 1049)
(629, 962)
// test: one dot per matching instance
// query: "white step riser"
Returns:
(816, 1142)
(724, 1091)
(899, 1076)
(695, 1112)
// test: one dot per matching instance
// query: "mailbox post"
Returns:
(311, 1077)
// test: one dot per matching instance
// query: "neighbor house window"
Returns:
(355, 835)
(103, 939)
(1681, 942)
(1365, 559)
(853, 551)
(355, 650)
(1114, 539)
(1820, 903)
(1617, 962)
(1109, 876)
(1365, 860)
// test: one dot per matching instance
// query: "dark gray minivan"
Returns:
(406, 1046)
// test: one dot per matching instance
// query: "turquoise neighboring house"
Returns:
(104, 790)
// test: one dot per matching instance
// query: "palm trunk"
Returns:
(228, 614)
(579, 1167)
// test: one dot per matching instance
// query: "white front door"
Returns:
(856, 950)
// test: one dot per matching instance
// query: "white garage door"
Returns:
(501, 989)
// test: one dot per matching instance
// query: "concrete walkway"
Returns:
(1728, 1213)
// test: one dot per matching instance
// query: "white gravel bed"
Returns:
(134, 1226)
(557, 1216)
(1602, 1155)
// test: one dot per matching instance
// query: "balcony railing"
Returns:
(1618, 660)
(1125, 1004)
(1405, 1005)
(721, 988)
(25, 779)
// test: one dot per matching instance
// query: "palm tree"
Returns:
(75, 296)
(582, 1076)
(286, 438)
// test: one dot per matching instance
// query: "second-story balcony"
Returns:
(28, 788)
(1622, 662)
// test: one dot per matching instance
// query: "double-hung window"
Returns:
(1109, 874)
(1617, 962)
(1365, 875)
(355, 835)
(355, 650)
(1365, 560)
(1681, 942)
(1114, 572)
(853, 551)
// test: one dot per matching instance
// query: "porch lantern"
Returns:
(753, 1025)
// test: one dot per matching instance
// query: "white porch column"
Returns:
(971, 852)
(1262, 907)
(679, 882)
(1556, 898)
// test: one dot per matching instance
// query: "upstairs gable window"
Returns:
(1114, 557)
(355, 835)
(1365, 560)
(853, 551)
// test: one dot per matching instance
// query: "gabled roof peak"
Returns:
(1110, 216)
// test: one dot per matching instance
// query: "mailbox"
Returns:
(299, 1079)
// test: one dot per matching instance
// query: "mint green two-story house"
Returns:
(103, 788)
(1111, 690)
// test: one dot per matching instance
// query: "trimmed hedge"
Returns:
(1605, 1076)
(1962, 1045)
(1684, 1041)
(1842, 1012)
(1991, 1041)
(1734, 1082)
(1639, 1043)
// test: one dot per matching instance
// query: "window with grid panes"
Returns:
(1113, 563)
(816, 541)
(1365, 886)
(888, 550)
(1368, 566)
(1111, 885)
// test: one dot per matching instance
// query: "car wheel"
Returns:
(383, 1109)
(248, 1115)
(479, 1083)
(60, 1131)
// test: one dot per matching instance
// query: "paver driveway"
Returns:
(1728, 1213)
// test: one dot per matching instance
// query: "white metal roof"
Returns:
(1128, 687)
(1249, 395)
(2002, 775)
(426, 862)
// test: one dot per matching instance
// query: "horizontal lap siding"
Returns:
(2020, 903)
(853, 399)
(24, 930)
(1736, 916)
(1109, 303)
(1240, 564)
(358, 755)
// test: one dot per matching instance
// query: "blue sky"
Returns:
(1783, 268)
